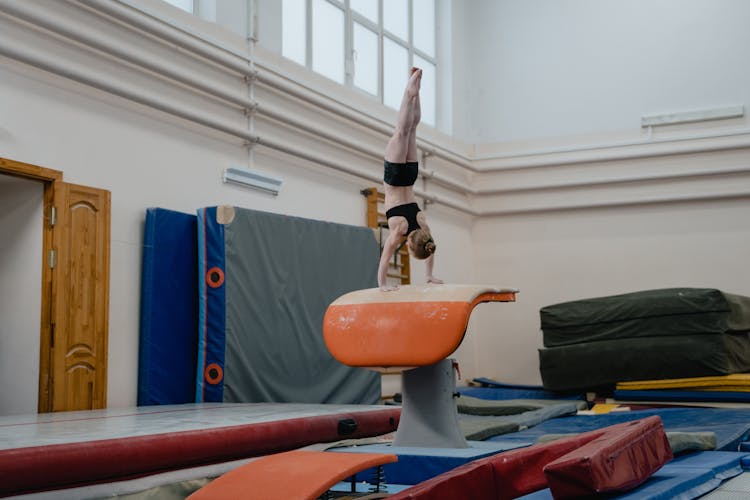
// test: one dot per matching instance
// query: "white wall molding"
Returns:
(689, 143)
(103, 40)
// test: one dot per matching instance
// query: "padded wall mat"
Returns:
(663, 312)
(596, 365)
(267, 280)
(169, 309)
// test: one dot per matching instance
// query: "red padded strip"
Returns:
(475, 480)
(520, 472)
(614, 462)
(41, 468)
(514, 473)
(511, 474)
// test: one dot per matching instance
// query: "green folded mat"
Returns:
(597, 365)
(648, 313)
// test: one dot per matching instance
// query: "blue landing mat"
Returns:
(169, 309)
(735, 489)
(416, 464)
(685, 477)
(497, 390)
(682, 396)
(731, 426)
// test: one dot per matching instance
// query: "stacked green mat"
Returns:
(594, 343)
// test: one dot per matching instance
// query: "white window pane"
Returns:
(365, 59)
(368, 8)
(424, 26)
(427, 95)
(293, 30)
(395, 72)
(186, 5)
(328, 40)
(396, 17)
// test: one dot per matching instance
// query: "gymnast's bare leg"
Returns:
(402, 146)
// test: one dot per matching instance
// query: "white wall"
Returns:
(557, 257)
(21, 207)
(558, 224)
(579, 200)
(535, 69)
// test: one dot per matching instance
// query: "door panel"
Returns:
(80, 299)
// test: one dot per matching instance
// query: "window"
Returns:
(186, 5)
(328, 40)
(366, 44)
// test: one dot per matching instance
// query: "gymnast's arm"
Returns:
(397, 227)
(429, 261)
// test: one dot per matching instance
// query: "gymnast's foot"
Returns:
(412, 87)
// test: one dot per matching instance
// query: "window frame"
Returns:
(350, 17)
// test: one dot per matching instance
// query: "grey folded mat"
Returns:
(483, 419)
(591, 365)
(657, 313)
(652, 334)
(475, 406)
(679, 441)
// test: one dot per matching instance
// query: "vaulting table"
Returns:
(414, 328)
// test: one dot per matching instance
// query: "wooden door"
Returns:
(80, 298)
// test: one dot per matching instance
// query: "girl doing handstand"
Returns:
(405, 219)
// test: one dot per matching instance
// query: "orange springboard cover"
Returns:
(299, 474)
(416, 325)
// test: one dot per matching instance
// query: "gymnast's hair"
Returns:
(422, 244)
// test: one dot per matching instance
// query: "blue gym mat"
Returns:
(685, 477)
(497, 393)
(731, 426)
(169, 309)
(682, 395)
(417, 464)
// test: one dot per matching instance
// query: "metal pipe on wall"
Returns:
(28, 12)
(86, 77)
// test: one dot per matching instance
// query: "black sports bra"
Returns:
(409, 211)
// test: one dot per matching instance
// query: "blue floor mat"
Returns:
(685, 477)
(517, 392)
(731, 426)
(682, 396)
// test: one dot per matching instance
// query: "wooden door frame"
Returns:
(50, 178)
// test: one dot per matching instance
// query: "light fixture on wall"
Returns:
(693, 116)
(255, 180)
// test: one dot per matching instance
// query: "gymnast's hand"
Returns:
(389, 288)
(432, 279)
